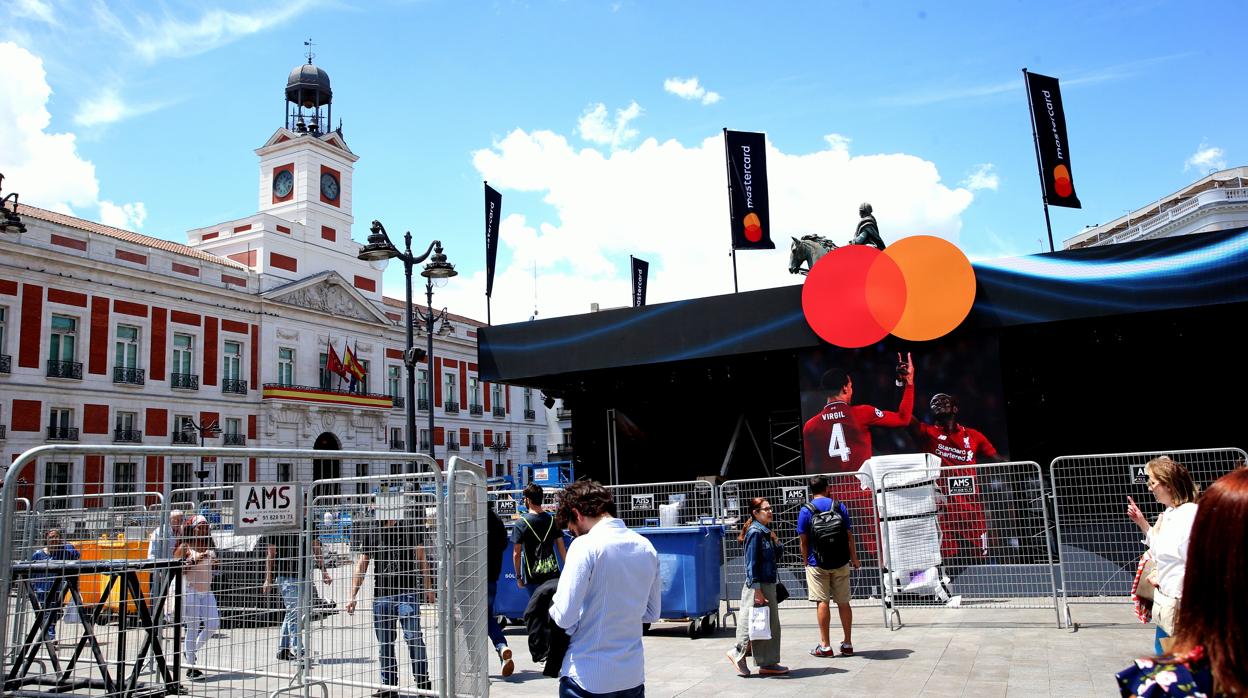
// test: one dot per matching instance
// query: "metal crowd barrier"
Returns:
(971, 537)
(664, 503)
(1098, 546)
(256, 603)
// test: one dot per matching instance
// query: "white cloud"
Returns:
(45, 168)
(1206, 157)
(35, 9)
(125, 216)
(982, 177)
(666, 202)
(596, 126)
(168, 36)
(688, 88)
(108, 107)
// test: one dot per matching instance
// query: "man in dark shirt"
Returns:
(284, 562)
(534, 540)
(398, 547)
(496, 546)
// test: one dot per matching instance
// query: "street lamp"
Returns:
(499, 447)
(378, 251)
(10, 222)
(211, 429)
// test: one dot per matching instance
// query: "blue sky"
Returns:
(584, 115)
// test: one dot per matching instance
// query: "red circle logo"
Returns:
(919, 289)
(753, 227)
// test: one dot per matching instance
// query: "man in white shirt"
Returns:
(609, 587)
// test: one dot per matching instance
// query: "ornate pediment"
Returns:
(328, 293)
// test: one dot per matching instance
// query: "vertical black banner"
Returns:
(493, 209)
(639, 276)
(1052, 146)
(746, 154)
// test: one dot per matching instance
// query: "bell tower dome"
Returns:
(309, 98)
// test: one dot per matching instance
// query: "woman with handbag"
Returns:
(759, 637)
(1166, 539)
(1209, 656)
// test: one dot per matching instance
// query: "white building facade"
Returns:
(111, 337)
(1218, 201)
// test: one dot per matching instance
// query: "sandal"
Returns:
(847, 650)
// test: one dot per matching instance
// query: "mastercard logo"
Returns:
(753, 227)
(918, 289)
(1061, 181)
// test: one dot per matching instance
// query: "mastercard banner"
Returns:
(1052, 145)
(746, 154)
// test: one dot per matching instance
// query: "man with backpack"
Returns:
(823, 527)
(534, 540)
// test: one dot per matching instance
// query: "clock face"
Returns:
(283, 182)
(329, 186)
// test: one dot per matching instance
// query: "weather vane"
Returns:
(311, 55)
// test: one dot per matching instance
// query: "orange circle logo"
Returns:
(753, 227)
(1061, 181)
(918, 289)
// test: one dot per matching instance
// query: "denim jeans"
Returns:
(55, 615)
(405, 608)
(292, 591)
(491, 623)
(569, 689)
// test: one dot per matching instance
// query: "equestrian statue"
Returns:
(808, 249)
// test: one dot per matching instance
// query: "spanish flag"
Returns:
(353, 365)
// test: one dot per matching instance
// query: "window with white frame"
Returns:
(62, 343)
(127, 347)
(394, 379)
(125, 480)
(474, 391)
(232, 368)
(424, 439)
(231, 473)
(500, 401)
(284, 472)
(449, 395)
(4, 328)
(361, 470)
(181, 479)
(396, 437)
(60, 423)
(528, 400)
(183, 354)
(233, 425)
(422, 385)
(362, 384)
(56, 484)
(125, 426)
(285, 366)
(324, 371)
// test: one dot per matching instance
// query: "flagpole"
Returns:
(1035, 140)
(733, 252)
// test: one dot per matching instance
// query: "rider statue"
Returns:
(868, 232)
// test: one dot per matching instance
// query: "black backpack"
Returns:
(829, 538)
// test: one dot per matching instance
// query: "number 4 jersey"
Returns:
(838, 439)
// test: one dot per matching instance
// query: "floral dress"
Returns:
(1185, 675)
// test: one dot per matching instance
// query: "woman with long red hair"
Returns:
(1210, 652)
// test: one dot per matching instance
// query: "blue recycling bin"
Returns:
(691, 567)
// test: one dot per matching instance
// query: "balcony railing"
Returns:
(500, 411)
(234, 439)
(563, 414)
(2, 430)
(564, 451)
(128, 376)
(62, 433)
(184, 437)
(476, 409)
(184, 381)
(65, 369)
(127, 436)
(478, 447)
(531, 448)
(424, 446)
(234, 386)
(398, 401)
(6, 363)
(422, 403)
(398, 445)
(530, 415)
(451, 407)
(452, 445)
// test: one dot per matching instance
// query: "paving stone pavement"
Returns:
(937, 653)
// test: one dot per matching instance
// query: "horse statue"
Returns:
(808, 250)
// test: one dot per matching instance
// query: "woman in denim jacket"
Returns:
(762, 553)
